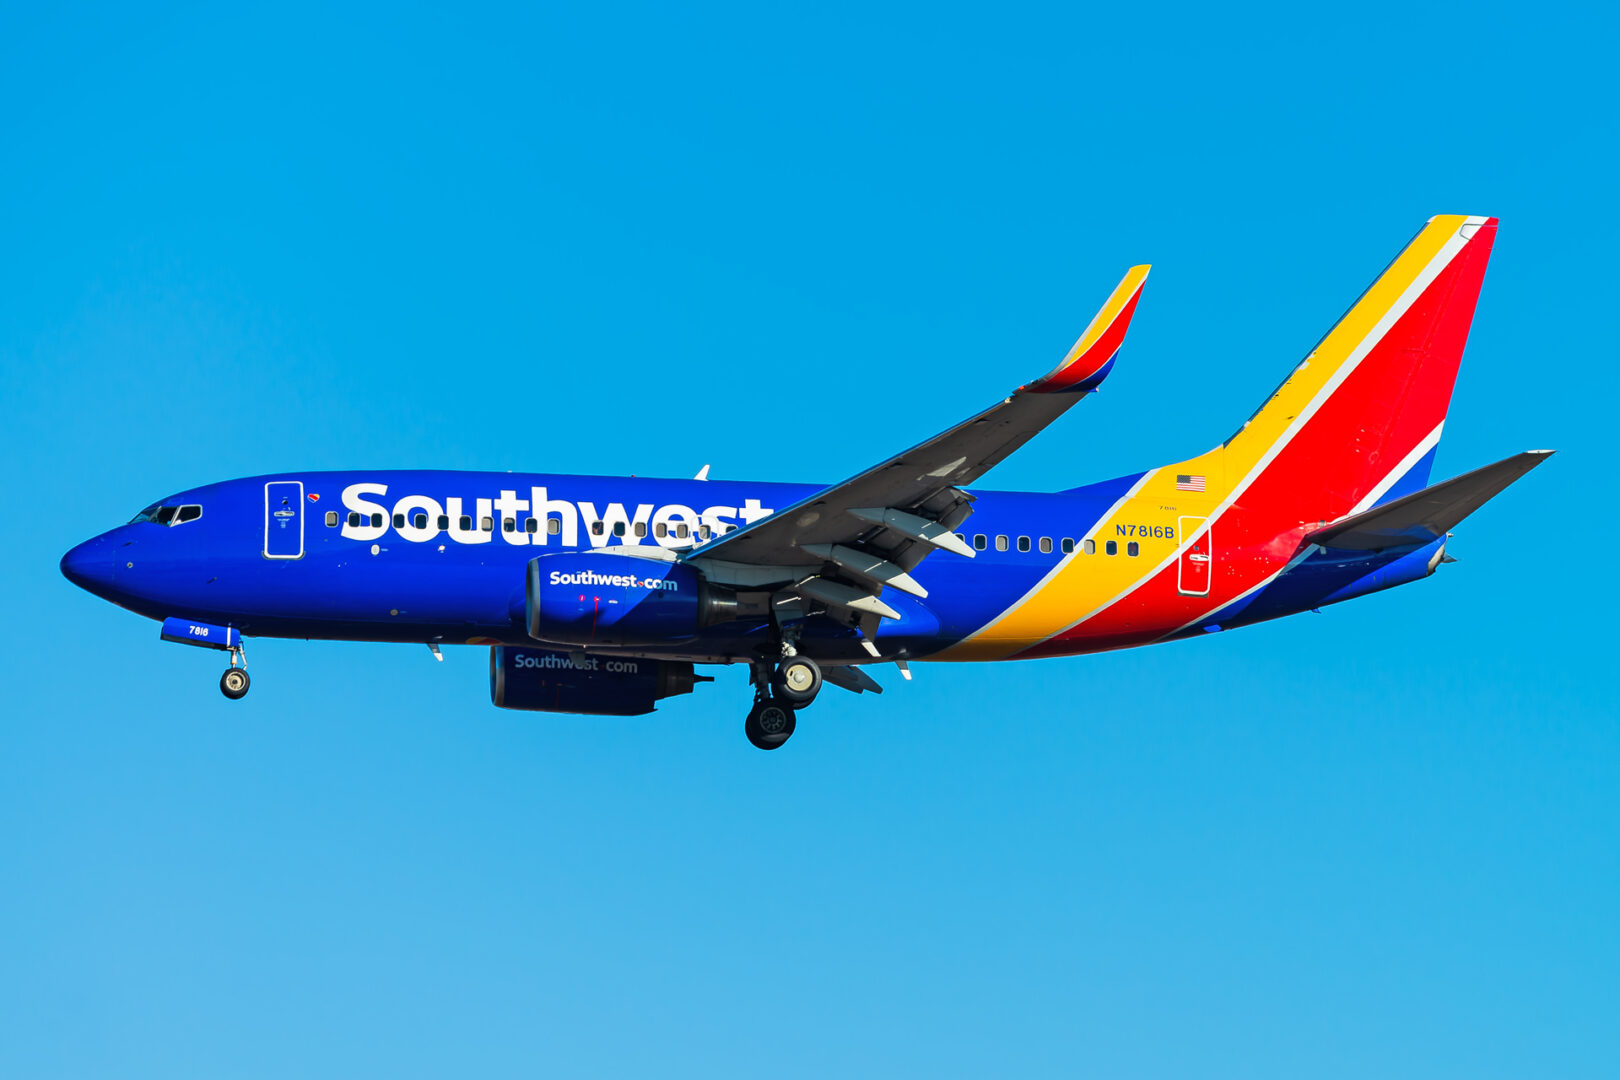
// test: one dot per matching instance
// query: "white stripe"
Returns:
(1441, 260)
(1408, 297)
(1429, 442)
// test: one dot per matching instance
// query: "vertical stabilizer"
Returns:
(1357, 421)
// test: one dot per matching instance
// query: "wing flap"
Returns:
(851, 678)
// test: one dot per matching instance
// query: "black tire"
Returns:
(234, 683)
(796, 682)
(769, 725)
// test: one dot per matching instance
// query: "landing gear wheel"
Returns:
(769, 725)
(797, 681)
(234, 683)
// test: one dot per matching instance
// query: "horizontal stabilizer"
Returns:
(1425, 516)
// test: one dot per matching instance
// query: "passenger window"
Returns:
(618, 528)
(1046, 545)
(979, 542)
(1001, 542)
(1023, 543)
(1112, 547)
(399, 521)
(419, 521)
(596, 528)
(1068, 546)
(532, 525)
(443, 523)
(703, 532)
(376, 521)
(660, 530)
(464, 523)
(553, 526)
(682, 530)
(489, 524)
(331, 519)
(354, 519)
(1132, 549)
(1091, 547)
(641, 528)
(509, 525)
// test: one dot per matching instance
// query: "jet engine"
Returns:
(539, 680)
(590, 598)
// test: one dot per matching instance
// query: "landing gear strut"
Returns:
(234, 683)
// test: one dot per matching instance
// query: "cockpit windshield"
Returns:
(168, 515)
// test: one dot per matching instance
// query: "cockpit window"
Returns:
(168, 515)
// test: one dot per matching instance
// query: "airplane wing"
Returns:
(1425, 516)
(841, 546)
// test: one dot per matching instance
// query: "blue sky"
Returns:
(1377, 841)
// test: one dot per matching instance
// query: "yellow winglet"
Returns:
(1091, 358)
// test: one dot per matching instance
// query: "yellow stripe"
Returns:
(1316, 370)
(1090, 583)
(1128, 286)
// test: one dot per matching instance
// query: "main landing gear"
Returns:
(769, 724)
(793, 685)
(235, 682)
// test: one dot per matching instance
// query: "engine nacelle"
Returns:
(588, 598)
(540, 680)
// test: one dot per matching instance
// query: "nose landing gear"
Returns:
(235, 682)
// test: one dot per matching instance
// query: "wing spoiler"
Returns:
(1425, 516)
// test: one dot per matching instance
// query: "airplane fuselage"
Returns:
(435, 556)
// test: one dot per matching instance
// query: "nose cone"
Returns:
(90, 566)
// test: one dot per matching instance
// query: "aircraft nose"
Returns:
(90, 565)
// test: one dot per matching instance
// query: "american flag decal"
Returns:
(1189, 483)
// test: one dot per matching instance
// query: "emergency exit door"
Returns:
(284, 519)
(1196, 561)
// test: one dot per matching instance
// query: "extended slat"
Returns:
(866, 564)
(920, 529)
(841, 595)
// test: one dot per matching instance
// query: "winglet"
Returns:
(1092, 357)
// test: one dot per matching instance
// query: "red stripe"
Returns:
(1394, 398)
(1091, 361)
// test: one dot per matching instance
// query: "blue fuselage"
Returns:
(430, 556)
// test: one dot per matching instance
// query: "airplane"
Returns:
(600, 594)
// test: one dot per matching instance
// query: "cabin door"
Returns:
(1195, 563)
(284, 519)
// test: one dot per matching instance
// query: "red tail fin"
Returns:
(1366, 406)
